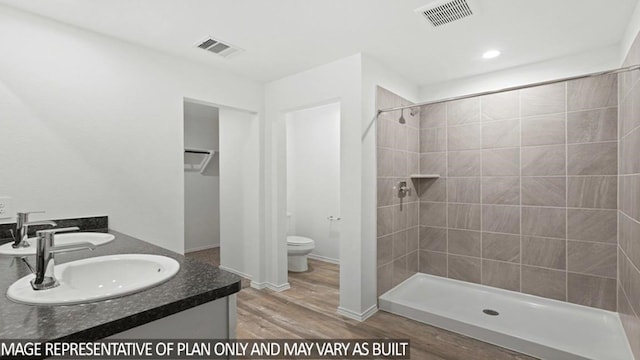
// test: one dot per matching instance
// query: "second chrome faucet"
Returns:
(22, 228)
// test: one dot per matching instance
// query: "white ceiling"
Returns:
(282, 37)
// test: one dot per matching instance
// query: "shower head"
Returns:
(414, 111)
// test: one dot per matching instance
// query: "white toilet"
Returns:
(298, 247)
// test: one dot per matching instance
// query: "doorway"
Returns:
(221, 161)
(313, 181)
(201, 178)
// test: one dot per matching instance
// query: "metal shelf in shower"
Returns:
(424, 176)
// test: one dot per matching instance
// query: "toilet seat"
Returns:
(298, 241)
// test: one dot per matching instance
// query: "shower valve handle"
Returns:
(402, 188)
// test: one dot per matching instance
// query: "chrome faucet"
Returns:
(22, 228)
(45, 262)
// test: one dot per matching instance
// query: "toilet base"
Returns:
(297, 263)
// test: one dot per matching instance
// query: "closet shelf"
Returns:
(424, 176)
(197, 159)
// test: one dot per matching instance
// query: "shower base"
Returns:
(543, 328)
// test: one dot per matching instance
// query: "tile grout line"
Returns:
(514, 234)
(406, 207)
(418, 183)
(516, 205)
(544, 115)
(378, 127)
(629, 217)
(621, 136)
(630, 261)
(621, 99)
(520, 184)
(527, 265)
(515, 176)
(397, 209)
(629, 94)
(566, 191)
(481, 203)
(590, 109)
(566, 142)
(523, 146)
(624, 292)
(446, 185)
(629, 132)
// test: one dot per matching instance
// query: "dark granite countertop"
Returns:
(196, 283)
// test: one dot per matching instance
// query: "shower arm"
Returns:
(513, 88)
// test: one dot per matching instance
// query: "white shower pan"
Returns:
(543, 328)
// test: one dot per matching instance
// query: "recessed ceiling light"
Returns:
(491, 54)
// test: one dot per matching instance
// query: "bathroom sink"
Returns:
(97, 278)
(97, 239)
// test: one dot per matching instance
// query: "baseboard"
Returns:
(239, 273)
(270, 286)
(356, 316)
(324, 258)
(206, 247)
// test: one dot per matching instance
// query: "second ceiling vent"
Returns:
(218, 47)
(445, 12)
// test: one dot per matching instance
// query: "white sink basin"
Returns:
(98, 278)
(98, 239)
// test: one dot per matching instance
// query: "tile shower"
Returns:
(539, 192)
(526, 198)
(398, 152)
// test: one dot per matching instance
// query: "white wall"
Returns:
(313, 177)
(240, 236)
(201, 191)
(574, 65)
(92, 125)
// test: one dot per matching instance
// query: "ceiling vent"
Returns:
(218, 47)
(445, 12)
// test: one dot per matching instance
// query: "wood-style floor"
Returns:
(308, 310)
(209, 256)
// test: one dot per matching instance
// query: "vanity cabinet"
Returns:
(212, 320)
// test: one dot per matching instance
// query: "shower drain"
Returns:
(490, 312)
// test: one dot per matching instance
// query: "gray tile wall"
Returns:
(526, 200)
(398, 147)
(629, 200)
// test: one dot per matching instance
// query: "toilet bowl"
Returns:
(298, 247)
